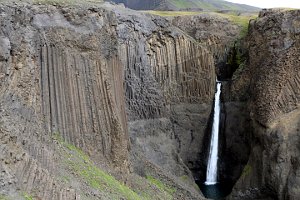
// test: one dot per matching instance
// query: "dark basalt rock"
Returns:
(271, 78)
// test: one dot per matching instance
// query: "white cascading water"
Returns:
(212, 167)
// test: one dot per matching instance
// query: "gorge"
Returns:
(98, 101)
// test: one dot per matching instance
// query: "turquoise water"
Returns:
(218, 191)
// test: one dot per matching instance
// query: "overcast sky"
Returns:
(270, 3)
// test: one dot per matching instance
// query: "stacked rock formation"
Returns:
(57, 78)
(92, 75)
(216, 33)
(272, 79)
(169, 81)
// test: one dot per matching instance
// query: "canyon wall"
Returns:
(169, 82)
(271, 78)
(134, 92)
(128, 89)
(217, 33)
(58, 77)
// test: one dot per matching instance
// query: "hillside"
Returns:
(207, 5)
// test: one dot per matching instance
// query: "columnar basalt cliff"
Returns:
(57, 78)
(101, 102)
(271, 77)
(106, 81)
(217, 33)
(169, 81)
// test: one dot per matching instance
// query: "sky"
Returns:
(269, 3)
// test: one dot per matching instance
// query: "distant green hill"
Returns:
(208, 5)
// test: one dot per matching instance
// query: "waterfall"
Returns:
(212, 167)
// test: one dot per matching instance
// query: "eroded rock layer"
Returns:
(57, 78)
(272, 78)
(169, 81)
(79, 77)
(216, 33)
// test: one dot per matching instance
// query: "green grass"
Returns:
(28, 197)
(24, 195)
(247, 170)
(184, 178)
(3, 197)
(171, 13)
(80, 164)
(65, 179)
(182, 4)
(241, 20)
(211, 5)
(56, 136)
(161, 186)
(205, 6)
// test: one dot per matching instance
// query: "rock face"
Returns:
(169, 81)
(56, 79)
(234, 141)
(217, 34)
(272, 77)
(135, 94)
(106, 81)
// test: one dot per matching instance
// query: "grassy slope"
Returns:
(172, 13)
(241, 20)
(211, 5)
(79, 164)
